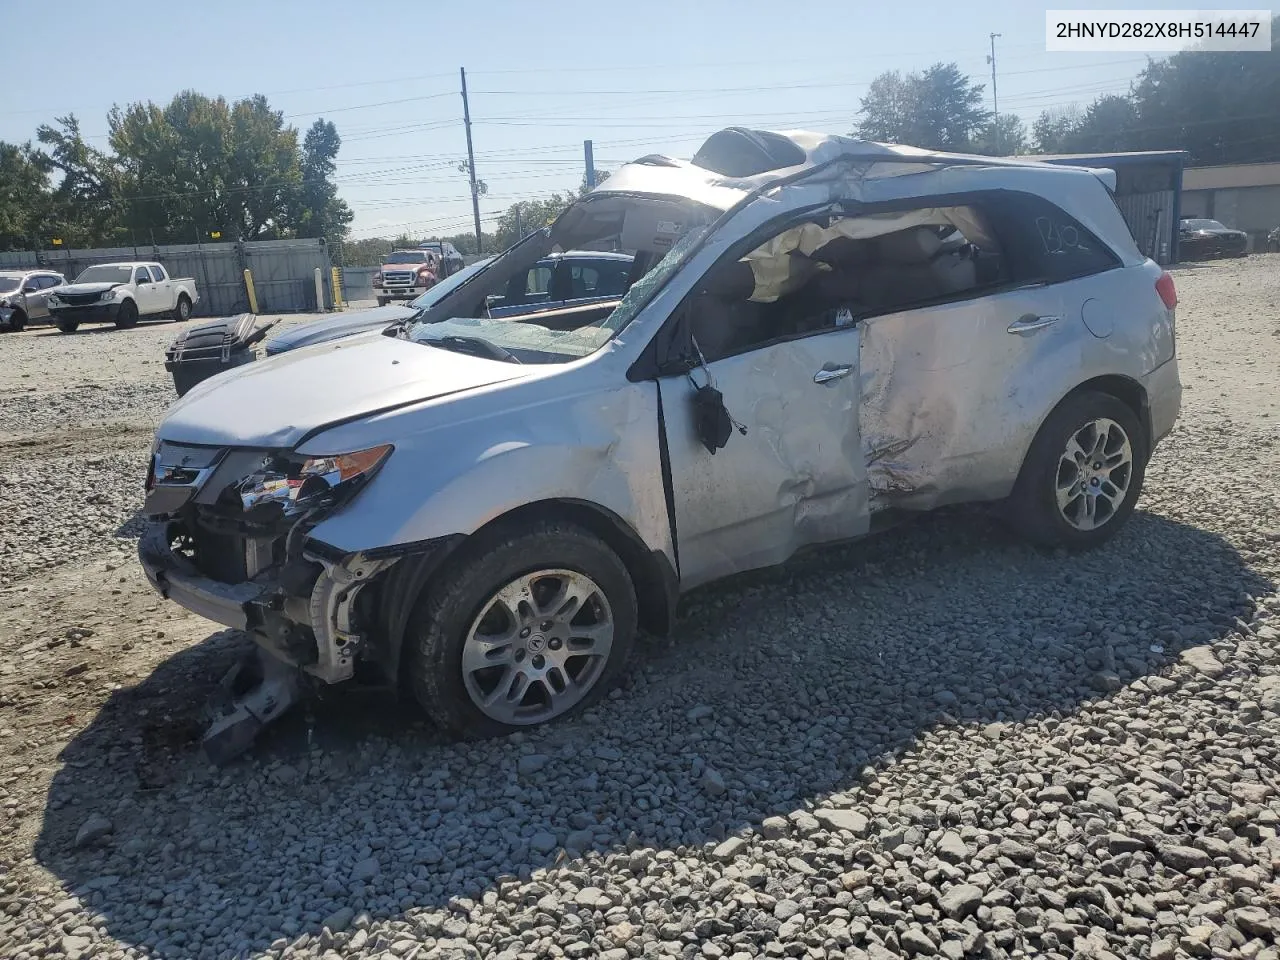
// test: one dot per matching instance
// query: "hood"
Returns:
(100, 287)
(336, 326)
(276, 402)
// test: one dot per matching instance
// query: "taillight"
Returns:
(1168, 293)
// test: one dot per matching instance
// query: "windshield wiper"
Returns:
(473, 344)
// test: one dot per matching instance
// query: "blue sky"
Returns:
(636, 78)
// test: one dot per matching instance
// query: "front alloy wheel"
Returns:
(530, 622)
(1094, 473)
(538, 647)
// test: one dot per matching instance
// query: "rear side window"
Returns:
(1043, 243)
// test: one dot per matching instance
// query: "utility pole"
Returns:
(471, 162)
(995, 101)
(591, 164)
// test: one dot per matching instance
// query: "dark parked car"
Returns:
(1273, 240)
(1205, 239)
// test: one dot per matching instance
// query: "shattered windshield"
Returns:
(523, 339)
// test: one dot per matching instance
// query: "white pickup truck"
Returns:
(121, 293)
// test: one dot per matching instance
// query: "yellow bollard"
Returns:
(248, 286)
(336, 280)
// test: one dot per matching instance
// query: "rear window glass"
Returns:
(1045, 243)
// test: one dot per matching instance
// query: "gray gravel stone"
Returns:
(731, 848)
(1203, 660)
(850, 820)
(961, 900)
(531, 763)
(93, 830)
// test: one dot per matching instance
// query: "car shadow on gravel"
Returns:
(777, 692)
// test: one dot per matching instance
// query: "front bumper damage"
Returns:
(255, 571)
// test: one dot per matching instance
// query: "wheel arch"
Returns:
(1124, 388)
(654, 578)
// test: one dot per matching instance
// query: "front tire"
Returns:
(532, 623)
(68, 326)
(17, 320)
(383, 301)
(126, 315)
(1083, 474)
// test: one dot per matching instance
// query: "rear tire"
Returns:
(126, 315)
(68, 326)
(1083, 474)
(562, 603)
(182, 312)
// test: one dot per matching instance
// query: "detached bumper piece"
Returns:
(253, 693)
(200, 352)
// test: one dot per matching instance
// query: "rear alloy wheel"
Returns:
(1094, 472)
(532, 626)
(126, 315)
(1083, 473)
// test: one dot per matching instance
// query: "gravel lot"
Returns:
(940, 742)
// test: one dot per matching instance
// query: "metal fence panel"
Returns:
(283, 270)
(1150, 219)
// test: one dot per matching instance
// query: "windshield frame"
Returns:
(124, 270)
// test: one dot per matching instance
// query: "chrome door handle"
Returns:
(827, 374)
(1032, 322)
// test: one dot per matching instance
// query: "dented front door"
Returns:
(797, 475)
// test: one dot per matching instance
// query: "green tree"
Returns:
(84, 212)
(26, 198)
(201, 165)
(938, 108)
(1054, 128)
(1012, 139)
(321, 213)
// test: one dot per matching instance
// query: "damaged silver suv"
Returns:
(817, 335)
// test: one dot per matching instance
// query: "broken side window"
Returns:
(819, 276)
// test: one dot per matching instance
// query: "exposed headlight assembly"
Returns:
(109, 294)
(293, 485)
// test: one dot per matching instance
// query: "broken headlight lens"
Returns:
(297, 486)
